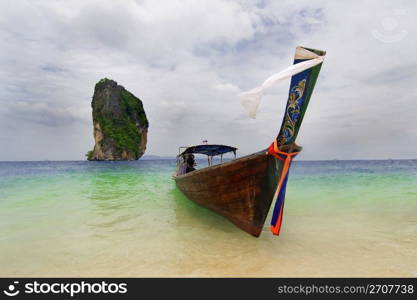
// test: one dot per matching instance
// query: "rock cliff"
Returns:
(120, 123)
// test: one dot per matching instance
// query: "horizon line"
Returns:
(174, 157)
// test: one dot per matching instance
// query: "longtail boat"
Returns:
(243, 189)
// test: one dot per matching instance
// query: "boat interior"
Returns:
(187, 162)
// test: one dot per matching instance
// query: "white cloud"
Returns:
(227, 87)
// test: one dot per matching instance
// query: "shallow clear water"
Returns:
(342, 218)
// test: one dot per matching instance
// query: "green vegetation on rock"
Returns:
(123, 132)
(89, 155)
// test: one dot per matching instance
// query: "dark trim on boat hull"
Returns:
(241, 190)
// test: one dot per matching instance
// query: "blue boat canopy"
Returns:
(210, 150)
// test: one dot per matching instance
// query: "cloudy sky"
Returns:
(188, 60)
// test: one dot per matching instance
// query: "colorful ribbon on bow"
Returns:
(279, 195)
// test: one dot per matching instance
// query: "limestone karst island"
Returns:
(120, 123)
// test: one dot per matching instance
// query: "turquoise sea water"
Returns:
(79, 218)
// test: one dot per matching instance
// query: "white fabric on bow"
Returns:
(250, 100)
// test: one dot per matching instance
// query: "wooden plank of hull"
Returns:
(241, 190)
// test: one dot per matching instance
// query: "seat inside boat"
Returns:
(186, 161)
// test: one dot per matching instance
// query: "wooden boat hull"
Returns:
(241, 190)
